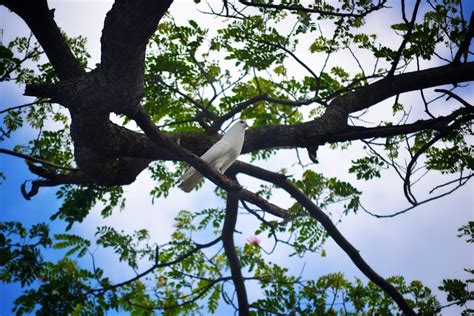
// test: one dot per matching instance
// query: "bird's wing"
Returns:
(216, 152)
(216, 156)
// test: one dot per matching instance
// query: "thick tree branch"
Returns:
(358, 133)
(229, 247)
(40, 20)
(331, 229)
(127, 28)
(371, 94)
(174, 150)
(125, 143)
(43, 90)
(51, 179)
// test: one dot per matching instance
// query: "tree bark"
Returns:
(229, 247)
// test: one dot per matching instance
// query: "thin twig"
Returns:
(18, 107)
(406, 38)
(34, 159)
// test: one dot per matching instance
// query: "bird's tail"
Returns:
(189, 180)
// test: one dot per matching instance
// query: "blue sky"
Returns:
(421, 244)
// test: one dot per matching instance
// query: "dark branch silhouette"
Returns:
(464, 47)
(155, 266)
(229, 247)
(330, 228)
(406, 38)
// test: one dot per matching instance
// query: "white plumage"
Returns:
(220, 156)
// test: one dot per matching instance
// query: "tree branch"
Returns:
(371, 94)
(314, 10)
(155, 266)
(40, 20)
(359, 133)
(43, 90)
(455, 96)
(464, 47)
(406, 38)
(18, 107)
(259, 98)
(199, 105)
(331, 229)
(51, 179)
(127, 28)
(34, 159)
(229, 247)
(174, 150)
(461, 181)
(444, 131)
(128, 143)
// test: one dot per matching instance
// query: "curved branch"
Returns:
(455, 96)
(155, 266)
(330, 228)
(51, 179)
(464, 180)
(229, 247)
(40, 20)
(371, 94)
(464, 47)
(447, 129)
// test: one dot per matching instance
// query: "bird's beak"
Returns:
(246, 125)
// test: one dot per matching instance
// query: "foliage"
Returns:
(78, 201)
(63, 287)
(292, 59)
(20, 252)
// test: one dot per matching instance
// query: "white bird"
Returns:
(220, 156)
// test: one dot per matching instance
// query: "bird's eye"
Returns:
(242, 122)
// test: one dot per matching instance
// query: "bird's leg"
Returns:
(219, 166)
